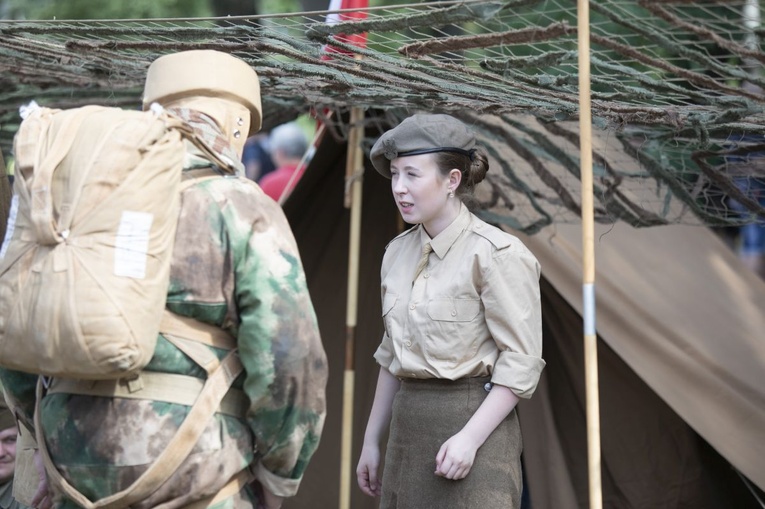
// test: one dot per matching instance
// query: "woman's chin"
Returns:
(408, 216)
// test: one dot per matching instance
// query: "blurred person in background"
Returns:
(257, 157)
(288, 144)
(746, 165)
(9, 433)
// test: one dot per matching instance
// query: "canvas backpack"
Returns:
(84, 267)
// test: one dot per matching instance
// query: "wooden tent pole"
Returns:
(588, 251)
(354, 171)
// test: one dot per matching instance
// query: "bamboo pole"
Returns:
(354, 171)
(588, 260)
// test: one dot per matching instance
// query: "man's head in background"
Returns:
(8, 434)
(288, 144)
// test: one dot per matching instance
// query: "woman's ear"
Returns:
(455, 177)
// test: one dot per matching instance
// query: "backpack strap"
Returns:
(221, 374)
(195, 330)
(234, 486)
(167, 387)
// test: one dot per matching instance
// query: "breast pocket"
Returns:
(454, 328)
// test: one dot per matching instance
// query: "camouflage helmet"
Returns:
(204, 73)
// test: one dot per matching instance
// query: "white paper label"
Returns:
(132, 244)
(11, 225)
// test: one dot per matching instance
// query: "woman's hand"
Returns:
(379, 417)
(455, 458)
(366, 471)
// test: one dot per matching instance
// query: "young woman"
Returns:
(463, 333)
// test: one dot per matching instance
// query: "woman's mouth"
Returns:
(405, 205)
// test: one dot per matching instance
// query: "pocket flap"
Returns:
(454, 310)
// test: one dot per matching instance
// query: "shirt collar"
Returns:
(444, 240)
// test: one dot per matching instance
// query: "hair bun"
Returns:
(479, 166)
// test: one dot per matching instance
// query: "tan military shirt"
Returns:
(473, 310)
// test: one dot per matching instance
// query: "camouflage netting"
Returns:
(676, 97)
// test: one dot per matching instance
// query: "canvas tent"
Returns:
(681, 354)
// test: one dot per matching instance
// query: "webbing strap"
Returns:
(167, 387)
(170, 459)
(193, 337)
(188, 328)
(198, 352)
(234, 486)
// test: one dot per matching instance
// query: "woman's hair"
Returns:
(473, 169)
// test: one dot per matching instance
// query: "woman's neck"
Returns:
(439, 224)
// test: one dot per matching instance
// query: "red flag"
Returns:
(360, 39)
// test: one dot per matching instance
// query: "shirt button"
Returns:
(454, 313)
(412, 306)
(408, 343)
(426, 276)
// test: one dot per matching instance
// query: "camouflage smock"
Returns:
(235, 265)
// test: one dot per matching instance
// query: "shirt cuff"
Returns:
(518, 372)
(384, 353)
(279, 486)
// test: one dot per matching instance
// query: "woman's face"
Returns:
(421, 192)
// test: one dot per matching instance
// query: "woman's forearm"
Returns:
(379, 417)
(498, 404)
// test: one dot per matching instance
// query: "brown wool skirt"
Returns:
(425, 414)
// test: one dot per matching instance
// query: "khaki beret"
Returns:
(422, 134)
(205, 73)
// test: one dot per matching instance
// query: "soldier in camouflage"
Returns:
(235, 266)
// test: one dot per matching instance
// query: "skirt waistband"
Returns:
(435, 384)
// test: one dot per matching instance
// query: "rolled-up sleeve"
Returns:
(384, 353)
(513, 311)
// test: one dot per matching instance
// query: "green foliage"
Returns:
(281, 6)
(107, 9)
